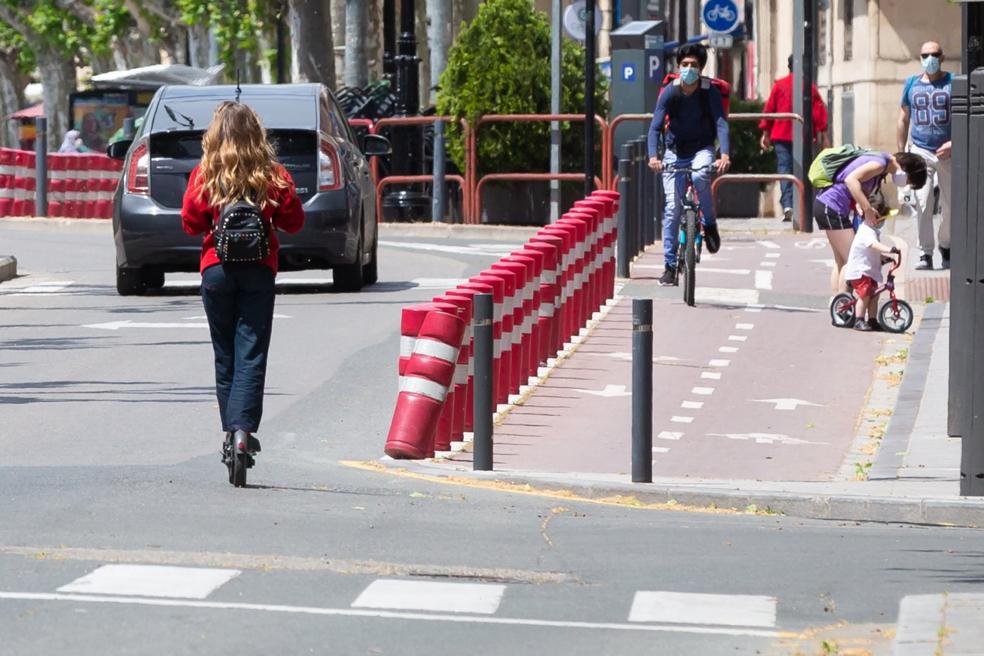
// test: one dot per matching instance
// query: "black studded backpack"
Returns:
(241, 234)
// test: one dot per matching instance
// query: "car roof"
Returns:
(290, 106)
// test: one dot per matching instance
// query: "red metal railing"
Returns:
(472, 154)
(768, 177)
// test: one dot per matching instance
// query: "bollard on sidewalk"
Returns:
(642, 390)
(41, 166)
(482, 456)
(624, 241)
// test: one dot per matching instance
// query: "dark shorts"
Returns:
(828, 219)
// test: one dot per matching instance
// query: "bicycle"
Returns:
(895, 316)
(691, 239)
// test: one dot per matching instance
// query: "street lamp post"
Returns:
(589, 89)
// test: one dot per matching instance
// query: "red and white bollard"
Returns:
(424, 387)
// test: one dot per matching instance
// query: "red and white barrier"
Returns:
(79, 185)
(543, 294)
(424, 386)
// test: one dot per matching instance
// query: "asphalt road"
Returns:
(110, 458)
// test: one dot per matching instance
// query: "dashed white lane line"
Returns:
(152, 581)
(744, 326)
(702, 391)
(661, 449)
(692, 405)
(737, 338)
(681, 420)
(727, 349)
(773, 255)
(394, 594)
(725, 295)
(719, 363)
(694, 608)
(392, 615)
(710, 375)
(768, 244)
(669, 435)
(754, 307)
(767, 263)
(763, 280)
(47, 288)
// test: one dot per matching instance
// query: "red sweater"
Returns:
(781, 101)
(197, 216)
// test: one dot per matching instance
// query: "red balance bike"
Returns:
(895, 316)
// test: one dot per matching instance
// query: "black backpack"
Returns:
(241, 234)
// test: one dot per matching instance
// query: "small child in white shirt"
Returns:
(864, 272)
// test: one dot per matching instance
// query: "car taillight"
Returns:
(329, 170)
(138, 172)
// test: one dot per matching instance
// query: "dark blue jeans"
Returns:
(238, 302)
(784, 160)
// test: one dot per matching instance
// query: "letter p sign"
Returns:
(628, 72)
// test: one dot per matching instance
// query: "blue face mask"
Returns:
(689, 75)
(931, 65)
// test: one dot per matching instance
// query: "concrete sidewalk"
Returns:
(912, 473)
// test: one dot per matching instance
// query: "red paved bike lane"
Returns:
(752, 383)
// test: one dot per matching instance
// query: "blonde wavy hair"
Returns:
(237, 160)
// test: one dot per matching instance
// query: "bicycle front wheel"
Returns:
(689, 257)
(895, 316)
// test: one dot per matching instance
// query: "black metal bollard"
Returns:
(41, 166)
(640, 190)
(623, 254)
(650, 195)
(129, 127)
(642, 390)
(482, 323)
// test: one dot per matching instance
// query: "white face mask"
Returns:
(900, 178)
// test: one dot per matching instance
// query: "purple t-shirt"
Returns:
(838, 197)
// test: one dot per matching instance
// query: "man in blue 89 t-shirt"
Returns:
(924, 120)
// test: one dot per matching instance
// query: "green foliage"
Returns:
(236, 23)
(746, 152)
(11, 41)
(500, 64)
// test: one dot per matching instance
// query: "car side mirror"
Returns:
(119, 149)
(375, 145)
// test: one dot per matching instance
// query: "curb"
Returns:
(8, 267)
(814, 504)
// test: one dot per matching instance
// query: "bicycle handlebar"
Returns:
(688, 169)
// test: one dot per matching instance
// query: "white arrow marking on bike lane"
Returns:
(609, 391)
(765, 438)
(787, 404)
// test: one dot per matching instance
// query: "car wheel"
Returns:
(370, 272)
(349, 277)
(129, 282)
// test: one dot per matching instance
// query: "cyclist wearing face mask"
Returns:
(924, 120)
(696, 118)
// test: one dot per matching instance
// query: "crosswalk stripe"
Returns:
(697, 608)
(152, 581)
(394, 594)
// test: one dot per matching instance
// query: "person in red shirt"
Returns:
(238, 165)
(779, 133)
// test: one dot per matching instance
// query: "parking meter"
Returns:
(638, 66)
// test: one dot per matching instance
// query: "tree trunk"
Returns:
(58, 81)
(438, 41)
(338, 28)
(462, 11)
(12, 83)
(374, 44)
(198, 38)
(356, 51)
(310, 38)
(423, 52)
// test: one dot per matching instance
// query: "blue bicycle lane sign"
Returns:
(721, 15)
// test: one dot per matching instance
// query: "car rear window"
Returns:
(188, 145)
(190, 113)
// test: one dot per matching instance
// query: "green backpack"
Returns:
(826, 166)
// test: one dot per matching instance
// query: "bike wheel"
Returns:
(240, 463)
(895, 316)
(689, 257)
(842, 311)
